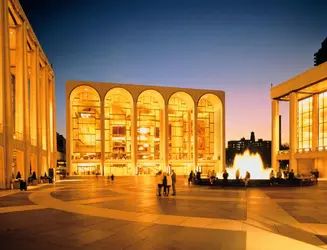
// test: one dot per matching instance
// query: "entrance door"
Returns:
(86, 170)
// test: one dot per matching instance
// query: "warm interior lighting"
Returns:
(143, 138)
(85, 115)
(146, 145)
(249, 162)
(141, 148)
(144, 130)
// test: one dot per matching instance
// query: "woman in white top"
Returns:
(169, 182)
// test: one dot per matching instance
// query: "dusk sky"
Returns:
(240, 47)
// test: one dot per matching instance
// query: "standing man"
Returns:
(173, 181)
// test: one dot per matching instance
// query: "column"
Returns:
(69, 137)
(274, 134)
(5, 78)
(102, 115)
(54, 131)
(315, 122)
(38, 83)
(165, 150)
(195, 136)
(22, 80)
(47, 116)
(293, 106)
(134, 135)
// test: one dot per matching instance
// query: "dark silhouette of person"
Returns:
(173, 181)
(34, 176)
(291, 175)
(164, 183)
(225, 178)
(18, 176)
(112, 177)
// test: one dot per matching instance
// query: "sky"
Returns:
(240, 47)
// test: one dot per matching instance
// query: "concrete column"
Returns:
(195, 136)
(47, 116)
(222, 138)
(69, 136)
(54, 131)
(274, 134)
(22, 77)
(134, 135)
(102, 116)
(293, 106)
(5, 79)
(315, 122)
(38, 82)
(165, 150)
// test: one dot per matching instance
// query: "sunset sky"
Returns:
(234, 46)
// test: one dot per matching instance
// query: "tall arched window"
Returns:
(118, 115)
(86, 124)
(210, 148)
(180, 126)
(149, 125)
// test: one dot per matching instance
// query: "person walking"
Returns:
(112, 177)
(168, 183)
(164, 183)
(173, 181)
(159, 182)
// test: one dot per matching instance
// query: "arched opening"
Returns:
(180, 132)
(210, 137)
(150, 106)
(86, 131)
(118, 108)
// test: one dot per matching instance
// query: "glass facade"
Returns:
(322, 138)
(304, 131)
(149, 118)
(118, 113)
(143, 131)
(86, 126)
(207, 127)
(180, 127)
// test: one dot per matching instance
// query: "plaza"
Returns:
(126, 214)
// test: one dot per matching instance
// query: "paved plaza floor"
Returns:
(126, 214)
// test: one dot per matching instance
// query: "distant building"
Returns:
(61, 147)
(260, 146)
(321, 55)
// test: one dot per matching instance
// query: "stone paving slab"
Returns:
(17, 199)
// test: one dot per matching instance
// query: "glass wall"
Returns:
(209, 126)
(118, 113)
(86, 124)
(304, 131)
(149, 119)
(180, 127)
(322, 120)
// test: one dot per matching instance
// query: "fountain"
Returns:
(249, 162)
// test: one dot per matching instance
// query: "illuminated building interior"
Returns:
(307, 97)
(27, 99)
(305, 124)
(86, 130)
(322, 143)
(126, 129)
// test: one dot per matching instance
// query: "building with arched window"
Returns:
(27, 100)
(125, 129)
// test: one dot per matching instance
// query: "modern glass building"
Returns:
(307, 97)
(137, 130)
(27, 99)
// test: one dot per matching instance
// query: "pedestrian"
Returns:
(190, 178)
(159, 182)
(164, 183)
(169, 181)
(247, 178)
(225, 178)
(272, 177)
(112, 177)
(173, 181)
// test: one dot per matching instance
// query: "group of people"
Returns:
(276, 178)
(165, 181)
